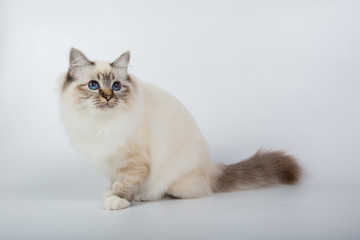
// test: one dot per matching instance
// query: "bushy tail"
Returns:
(263, 169)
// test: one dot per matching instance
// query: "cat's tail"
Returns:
(263, 169)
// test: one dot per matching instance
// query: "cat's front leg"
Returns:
(130, 175)
(113, 202)
(108, 192)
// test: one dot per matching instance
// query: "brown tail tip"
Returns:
(289, 170)
(263, 169)
(285, 166)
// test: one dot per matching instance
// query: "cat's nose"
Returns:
(107, 94)
(108, 97)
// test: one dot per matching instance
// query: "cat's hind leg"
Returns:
(195, 184)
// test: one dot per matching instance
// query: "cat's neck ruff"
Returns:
(98, 133)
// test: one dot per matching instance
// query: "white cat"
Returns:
(146, 142)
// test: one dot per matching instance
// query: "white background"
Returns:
(281, 74)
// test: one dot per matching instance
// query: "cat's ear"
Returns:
(78, 60)
(122, 61)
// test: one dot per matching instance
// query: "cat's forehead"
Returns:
(103, 71)
(102, 67)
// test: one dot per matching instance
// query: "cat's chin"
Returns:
(105, 106)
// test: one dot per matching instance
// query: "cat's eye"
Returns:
(116, 86)
(93, 85)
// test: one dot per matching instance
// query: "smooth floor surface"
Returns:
(306, 211)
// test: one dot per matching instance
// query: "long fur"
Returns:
(147, 143)
(263, 169)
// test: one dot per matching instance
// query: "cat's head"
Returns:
(97, 85)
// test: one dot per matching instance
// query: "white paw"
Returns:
(107, 193)
(115, 203)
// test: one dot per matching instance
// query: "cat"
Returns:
(147, 143)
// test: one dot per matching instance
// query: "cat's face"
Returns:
(99, 86)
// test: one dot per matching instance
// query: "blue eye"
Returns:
(93, 85)
(116, 86)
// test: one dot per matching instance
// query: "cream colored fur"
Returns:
(147, 143)
(157, 124)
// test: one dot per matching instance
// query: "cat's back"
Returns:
(161, 102)
(168, 117)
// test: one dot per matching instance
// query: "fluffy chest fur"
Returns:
(102, 139)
